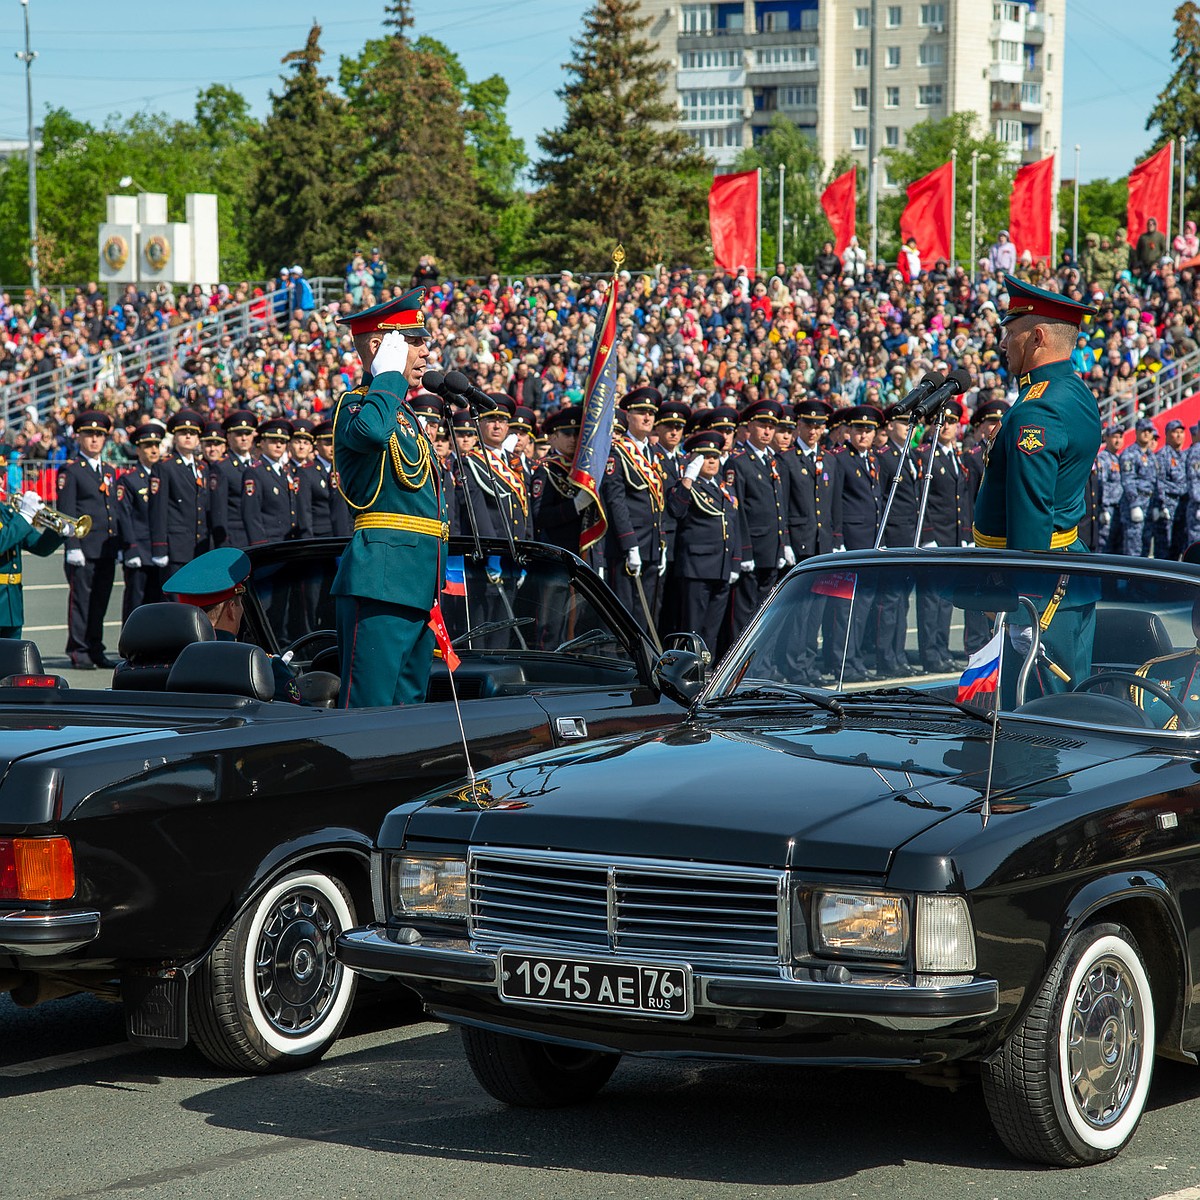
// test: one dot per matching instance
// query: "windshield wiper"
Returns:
(912, 695)
(779, 691)
(491, 627)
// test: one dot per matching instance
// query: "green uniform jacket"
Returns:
(16, 534)
(1179, 674)
(1037, 467)
(386, 466)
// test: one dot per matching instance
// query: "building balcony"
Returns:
(1007, 31)
(777, 73)
(710, 77)
(1031, 154)
(1032, 108)
(695, 39)
(1006, 72)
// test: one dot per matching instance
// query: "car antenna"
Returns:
(986, 811)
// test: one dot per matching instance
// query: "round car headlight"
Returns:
(945, 942)
(860, 924)
(429, 887)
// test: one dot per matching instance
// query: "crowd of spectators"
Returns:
(846, 329)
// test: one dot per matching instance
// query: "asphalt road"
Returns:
(394, 1110)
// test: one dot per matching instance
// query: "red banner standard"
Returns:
(1150, 194)
(1031, 208)
(733, 220)
(929, 214)
(838, 200)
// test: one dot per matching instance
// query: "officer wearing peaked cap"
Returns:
(497, 474)
(1108, 468)
(560, 506)
(225, 481)
(1170, 494)
(321, 510)
(133, 519)
(269, 489)
(387, 469)
(179, 496)
(669, 424)
(1139, 480)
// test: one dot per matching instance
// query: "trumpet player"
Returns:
(18, 532)
(86, 487)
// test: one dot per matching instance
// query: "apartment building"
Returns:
(829, 65)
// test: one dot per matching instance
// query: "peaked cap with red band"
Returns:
(1025, 300)
(210, 578)
(404, 314)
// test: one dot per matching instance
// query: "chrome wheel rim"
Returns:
(295, 971)
(1105, 1032)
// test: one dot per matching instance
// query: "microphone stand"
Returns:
(933, 445)
(887, 508)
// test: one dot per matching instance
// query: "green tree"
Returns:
(616, 170)
(301, 162)
(411, 193)
(1102, 207)
(928, 146)
(1176, 113)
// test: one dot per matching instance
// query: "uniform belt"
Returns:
(426, 525)
(1060, 539)
(14, 578)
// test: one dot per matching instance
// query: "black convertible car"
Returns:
(897, 873)
(185, 844)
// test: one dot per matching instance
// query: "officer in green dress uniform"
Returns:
(1033, 491)
(1179, 675)
(387, 470)
(215, 583)
(17, 533)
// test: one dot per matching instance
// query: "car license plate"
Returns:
(596, 984)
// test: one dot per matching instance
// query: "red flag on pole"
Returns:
(441, 635)
(1031, 207)
(929, 214)
(1150, 194)
(838, 200)
(733, 220)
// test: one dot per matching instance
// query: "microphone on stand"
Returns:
(463, 392)
(957, 382)
(435, 381)
(928, 385)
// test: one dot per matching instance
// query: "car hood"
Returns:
(775, 791)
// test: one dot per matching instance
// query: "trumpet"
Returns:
(50, 518)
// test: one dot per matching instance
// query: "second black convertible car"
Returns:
(191, 847)
(818, 867)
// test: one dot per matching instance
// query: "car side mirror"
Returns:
(693, 643)
(679, 674)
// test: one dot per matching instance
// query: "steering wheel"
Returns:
(1187, 720)
(323, 638)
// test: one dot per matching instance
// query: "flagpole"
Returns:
(1170, 190)
(779, 243)
(1054, 213)
(986, 810)
(974, 204)
(1075, 218)
(873, 208)
(953, 202)
(1182, 177)
(758, 223)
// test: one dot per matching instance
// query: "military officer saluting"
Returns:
(709, 537)
(1032, 493)
(142, 584)
(225, 481)
(320, 509)
(179, 497)
(386, 468)
(269, 489)
(87, 486)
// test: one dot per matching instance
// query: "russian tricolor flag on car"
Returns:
(983, 671)
(456, 576)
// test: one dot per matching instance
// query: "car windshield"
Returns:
(491, 604)
(1082, 642)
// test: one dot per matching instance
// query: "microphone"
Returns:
(463, 392)
(434, 381)
(928, 385)
(957, 382)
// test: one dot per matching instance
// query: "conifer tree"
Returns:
(617, 170)
(1177, 110)
(299, 186)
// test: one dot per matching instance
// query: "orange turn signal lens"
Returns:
(36, 869)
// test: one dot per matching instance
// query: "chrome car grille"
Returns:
(627, 906)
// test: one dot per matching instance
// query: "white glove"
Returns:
(633, 560)
(734, 576)
(839, 549)
(1136, 515)
(160, 562)
(747, 566)
(392, 354)
(1156, 514)
(31, 504)
(928, 545)
(509, 444)
(581, 501)
(780, 563)
(692, 470)
(789, 556)
(662, 566)
(1106, 517)
(133, 563)
(74, 558)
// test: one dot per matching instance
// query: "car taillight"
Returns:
(36, 869)
(31, 681)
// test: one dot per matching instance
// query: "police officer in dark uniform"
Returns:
(469, 511)
(947, 523)
(225, 481)
(857, 509)
(709, 536)
(669, 424)
(499, 479)
(891, 602)
(179, 497)
(558, 504)
(634, 500)
(321, 510)
(269, 489)
(754, 478)
(985, 421)
(142, 584)
(88, 486)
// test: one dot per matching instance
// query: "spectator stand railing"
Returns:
(1173, 383)
(145, 356)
